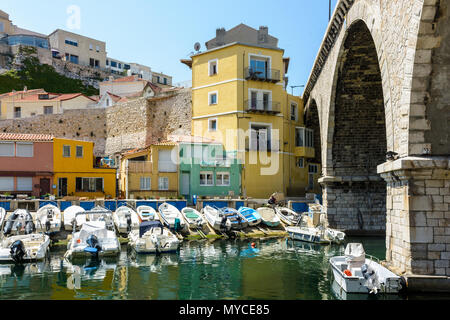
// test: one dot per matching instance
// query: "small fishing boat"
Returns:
(216, 219)
(24, 248)
(125, 219)
(319, 233)
(48, 219)
(238, 221)
(2, 216)
(170, 215)
(96, 237)
(356, 273)
(152, 237)
(251, 215)
(94, 216)
(288, 216)
(69, 217)
(146, 213)
(269, 216)
(19, 222)
(193, 218)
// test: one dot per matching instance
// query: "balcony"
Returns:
(140, 167)
(304, 152)
(262, 106)
(270, 75)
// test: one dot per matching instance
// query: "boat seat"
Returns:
(356, 272)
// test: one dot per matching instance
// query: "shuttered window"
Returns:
(6, 183)
(146, 183)
(165, 163)
(24, 150)
(163, 183)
(6, 149)
(24, 184)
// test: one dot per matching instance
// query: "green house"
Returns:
(205, 170)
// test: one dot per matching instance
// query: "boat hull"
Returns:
(306, 235)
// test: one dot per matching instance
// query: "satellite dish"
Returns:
(197, 46)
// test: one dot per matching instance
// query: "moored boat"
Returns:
(70, 218)
(238, 221)
(24, 248)
(171, 216)
(48, 219)
(2, 216)
(193, 218)
(152, 237)
(125, 219)
(288, 216)
(19, 222)
(251, 215)
(146, 213)
(269, 216)
(216, 219)
(356, 273)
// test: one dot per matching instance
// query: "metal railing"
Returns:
(268, 106)
(270, 75)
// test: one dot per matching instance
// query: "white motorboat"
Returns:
(288, 216)
(125, 219)
(18, 223)
(48, 219)
(193, 218)
(269, 216)
(319, 233)
(94, 216)
(69, 217)
(169, 214)
(152, 237)
(2, 216)
(356, 273)
(97, 237)
(216, 219)
(24, 248)
(146, 213)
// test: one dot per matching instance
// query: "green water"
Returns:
(200, 270)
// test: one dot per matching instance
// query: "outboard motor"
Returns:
(128, 222)
(371, 278)
(9, 224)
(177, 225)
(93, 245)
(29, 224)
(17, 251)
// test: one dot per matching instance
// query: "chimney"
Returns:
(263, 34)
(220, 36)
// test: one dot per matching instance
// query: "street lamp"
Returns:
(292, 88)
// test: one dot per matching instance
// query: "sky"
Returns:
(160, 33)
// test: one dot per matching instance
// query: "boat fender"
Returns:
(29, 227)
(9, 224)
(348, 273)
(17, 251)
(47, 225)
(128, 222)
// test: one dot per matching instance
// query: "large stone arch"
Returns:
(312, 121)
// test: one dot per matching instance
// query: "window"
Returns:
(24, 149)
(312, 168)
(6, 149)
(48, 110)
(120, 66)
(126, 66)
(97, 64)
(165, 80)
(259, 67)
(91, 47)
(89, 184)
(79, 151)
(17, 112)
(223, 178)
(300, 163)
(113, 64)
(206, 179)
(24, 184)
(165, 163)
(304, 137)
(260, 138)
(158, 79)
(212, 66)
(2, 27)
(72, 42)
(163, 183)
(146, 183)
(97, 48)
(66, 151)
(294, 112)
(107, 62)
(6, 183)
(260, 99)
(212, 97)
(74, 59)
(91, 62)
(212, 125)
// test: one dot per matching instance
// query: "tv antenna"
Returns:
(197, 46)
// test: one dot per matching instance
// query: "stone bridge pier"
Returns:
(379, 89)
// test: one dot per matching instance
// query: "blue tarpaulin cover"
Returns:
(147, 225)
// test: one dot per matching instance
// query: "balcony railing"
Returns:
(269, 75)
(263, 106)
(140, 167)
(17, 114)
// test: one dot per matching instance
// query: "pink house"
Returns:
(26, 163)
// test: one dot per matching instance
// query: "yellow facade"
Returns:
(83, 179)
(231, 117)
(146, 164)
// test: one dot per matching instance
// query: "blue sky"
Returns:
(160, 33)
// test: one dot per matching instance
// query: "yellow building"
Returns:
(76, 173)
(150, 172)
(239, 98)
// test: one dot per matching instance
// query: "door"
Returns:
(62, 187)
(185, 181)
(44, 187)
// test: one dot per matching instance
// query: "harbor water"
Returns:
(225, 269)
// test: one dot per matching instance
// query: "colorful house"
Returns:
(150, 172)
(239, 98)
(76, 172)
